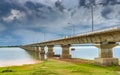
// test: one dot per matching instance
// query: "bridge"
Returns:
(104, 40)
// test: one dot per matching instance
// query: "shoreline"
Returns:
(60, 67)
(73, 60)
(34, 62)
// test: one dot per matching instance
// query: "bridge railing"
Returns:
(97, 30)
(89, 32)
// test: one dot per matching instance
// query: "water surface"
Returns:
(87, 52)
(18, 56)
(14, 56)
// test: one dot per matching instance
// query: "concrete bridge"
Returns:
(104, 40)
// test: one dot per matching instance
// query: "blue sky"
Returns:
(26, 21)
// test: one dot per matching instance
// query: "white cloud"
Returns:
(101, 1)
(15, 14)
(58, 22)
(70, 3)
(116, 14)
(30, 36)
(46, 2)
(8, 40)
(81, 18)
(2, 27)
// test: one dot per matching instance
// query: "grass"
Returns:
(56, 67)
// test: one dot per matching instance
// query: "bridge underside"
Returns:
(106, 54)
(104, 40)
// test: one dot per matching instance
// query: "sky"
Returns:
(32, 21)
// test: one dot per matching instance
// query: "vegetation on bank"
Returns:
(57, 67)
(9, 46)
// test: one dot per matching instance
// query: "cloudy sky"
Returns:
(27, 21)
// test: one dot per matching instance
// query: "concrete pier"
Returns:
(37, 49)
(105, 54)
(37, 52)
(50, 52)
(28, 48)
(42, 53)
(65, 52)
(105, 40)
(31, 48)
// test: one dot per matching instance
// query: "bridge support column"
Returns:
(65, 52)
(37, 52)
(37, 49)
(25, 48)
(28, 48)
(105, 54)
(50, 52)
(31, 48)
(42, 53)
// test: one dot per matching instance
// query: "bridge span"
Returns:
(104, 40)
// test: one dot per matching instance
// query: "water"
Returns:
(18, 56)
(14, 56)
(87, 52)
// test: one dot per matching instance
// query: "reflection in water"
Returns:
(34, 55)
(87, 52)
(17, 56)
(14, 56)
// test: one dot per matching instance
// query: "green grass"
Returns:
(56, 67)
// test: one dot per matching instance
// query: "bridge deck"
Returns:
(105, 35)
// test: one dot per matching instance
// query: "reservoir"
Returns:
(18, 56)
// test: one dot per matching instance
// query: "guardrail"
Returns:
(90, 32)
(97, 30)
